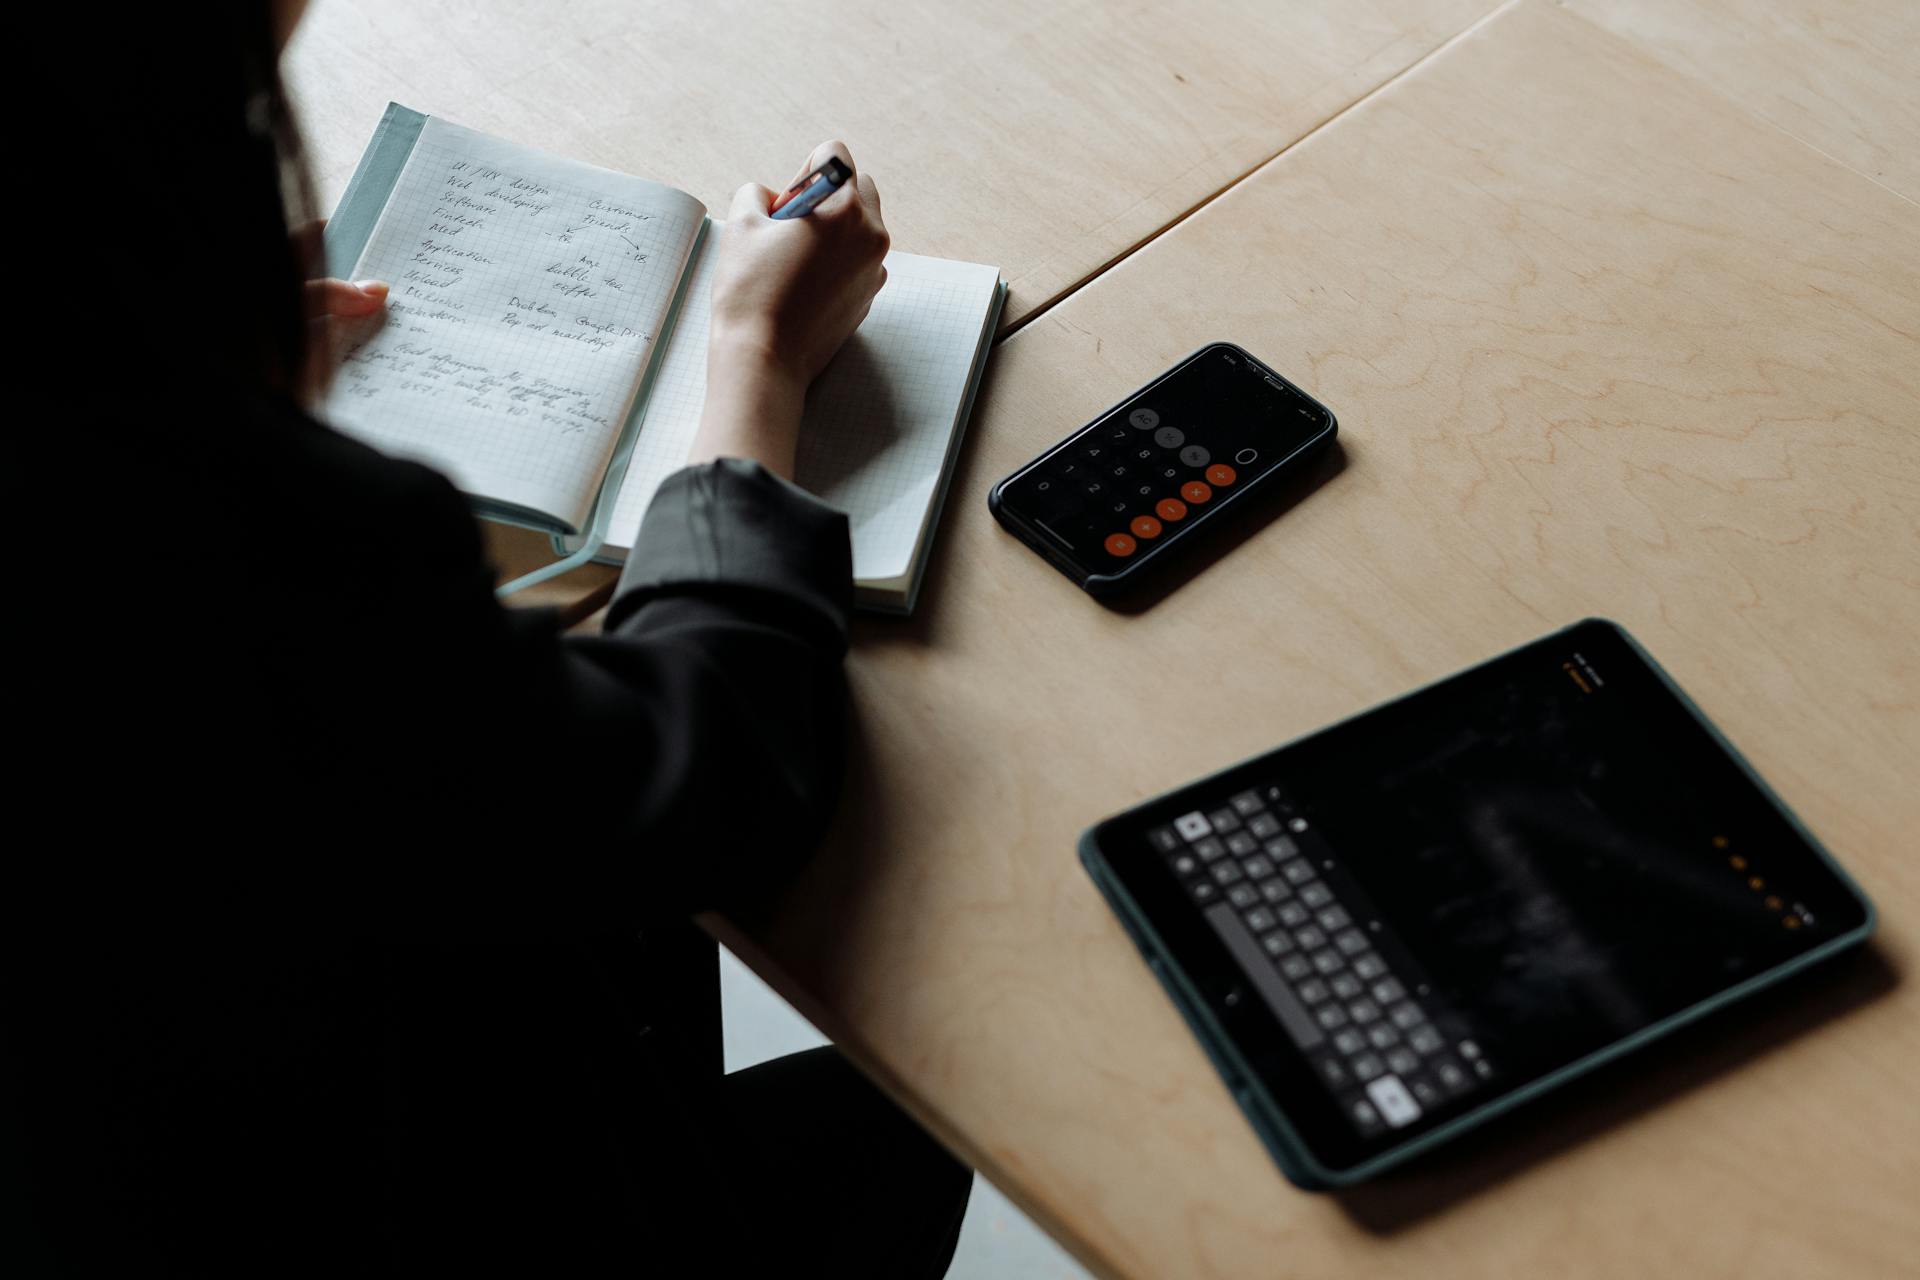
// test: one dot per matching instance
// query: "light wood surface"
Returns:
(1044, 138)
(1841, 75)
(1602, 341)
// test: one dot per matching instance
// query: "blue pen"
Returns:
(798, 200)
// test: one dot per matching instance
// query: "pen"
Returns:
(797, 201)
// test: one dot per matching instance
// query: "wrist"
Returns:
(747, 355)
(752, 409)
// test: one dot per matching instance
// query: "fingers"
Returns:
(821, 154)
(750, 201)
(834, 149)
(340, 298)
(869, 196)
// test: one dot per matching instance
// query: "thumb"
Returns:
(750, 201)
(339, 298)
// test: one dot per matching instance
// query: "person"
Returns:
(358, 930)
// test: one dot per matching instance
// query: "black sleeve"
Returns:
(685, 758)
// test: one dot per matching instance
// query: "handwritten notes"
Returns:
(527, 294)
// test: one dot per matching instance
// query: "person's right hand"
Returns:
(786, 295)
(791, 291)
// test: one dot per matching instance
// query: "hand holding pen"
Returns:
(794, 278)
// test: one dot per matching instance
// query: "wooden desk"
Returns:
(1046, 139)
(1602, 340)
(1843, 76)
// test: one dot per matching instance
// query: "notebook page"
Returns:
(527, 291)
(878, 422)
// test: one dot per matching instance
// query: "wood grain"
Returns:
(1841, 75)
(1046, 139)
(1602, 342)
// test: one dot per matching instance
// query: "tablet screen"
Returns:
(1452, 896)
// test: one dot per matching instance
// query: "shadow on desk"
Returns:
(1619, 1092)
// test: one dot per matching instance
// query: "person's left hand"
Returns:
(327, 298)
(330, 298)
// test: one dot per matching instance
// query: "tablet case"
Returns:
(1270, 1122)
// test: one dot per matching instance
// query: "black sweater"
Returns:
(330, 922)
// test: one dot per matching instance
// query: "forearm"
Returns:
(752, 409)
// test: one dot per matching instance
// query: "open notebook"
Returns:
(545, 345)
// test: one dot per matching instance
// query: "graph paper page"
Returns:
(878, 422)
(527, 291)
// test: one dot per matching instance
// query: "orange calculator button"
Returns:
(1195, 491)
(1145, 527)
(1171, 509)
(1119, 544)
(1221, 474)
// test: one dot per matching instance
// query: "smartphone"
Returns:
(1124, 493)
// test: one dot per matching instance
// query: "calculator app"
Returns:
(1160, 462)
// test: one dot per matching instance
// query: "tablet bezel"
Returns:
(1313, 1144)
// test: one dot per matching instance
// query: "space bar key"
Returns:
(1286, 1007)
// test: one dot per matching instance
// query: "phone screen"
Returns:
(1137, 477)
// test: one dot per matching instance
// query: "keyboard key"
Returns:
(1293, 915)
(1209, 848)
(1364, 1011)
(1334, 917)
(1243, 896)
(1364, 1117)
(1346, 986)
(1297, 872)
(1423, 1090)
(1204, 891)
(1165, 839)
(1367, 1065)
(1246, 804)
(1352, 942)
(1426, 1039)
(1226, 871)
(1316, 895)
(1277, 943)
(1185, 864)
(1407, 1016)
(1282, 848)
(1403, 1059)
(1469, 1050)
(1393, 1101)
(1382, 1036)
(1333, 1072)
(1241, 843)
(1259, 919)
(1446, 1071)
(1328, 961)
(1331, 1016)
(1349, 1042)
(1296, 966)
(1387, 990)
(1192, 825)
(1314, 991)
(1264, 825)
(1257, 867)
(1309, 938)
(1275, 890)
(1369, 967)
(1224, 819)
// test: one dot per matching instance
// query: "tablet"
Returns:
(1392, 930)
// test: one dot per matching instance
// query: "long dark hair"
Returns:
(190, 119)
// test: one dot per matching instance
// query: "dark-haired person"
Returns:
(357, 936)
